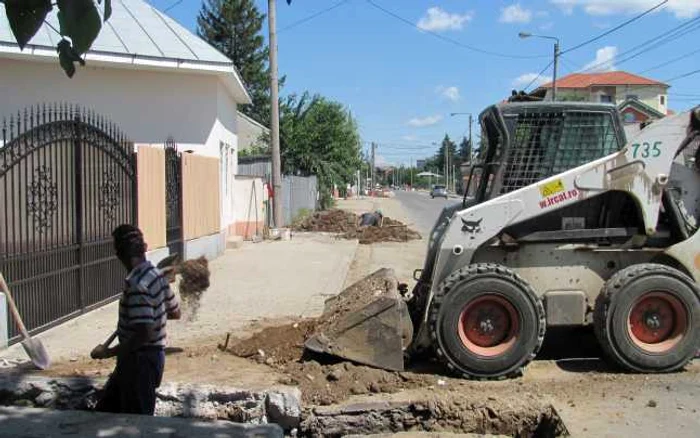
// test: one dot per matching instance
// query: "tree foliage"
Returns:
(465, 150)
(79, 20)
(319, 137)
(234, 27)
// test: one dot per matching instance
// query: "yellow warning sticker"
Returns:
(552, 188)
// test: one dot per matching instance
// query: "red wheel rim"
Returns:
(657, 322)
(488, 325)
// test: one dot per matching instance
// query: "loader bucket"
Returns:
(367, 323)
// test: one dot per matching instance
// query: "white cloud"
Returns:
(546, 26)
(449, 93)
(409, 138)
(425, 121)
(524, 79)
(438, 19)
(515, 14)
(604, 60)
(680, 8)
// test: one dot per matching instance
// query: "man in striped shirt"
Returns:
(144, 307)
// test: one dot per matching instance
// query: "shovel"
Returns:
(33, 347)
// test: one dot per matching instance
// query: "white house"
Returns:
(251, 133)
(150, 76)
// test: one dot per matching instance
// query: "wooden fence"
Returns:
(201, 196)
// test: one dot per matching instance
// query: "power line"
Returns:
(655, 42)
(450, 40)
(664, 64)
(684, 75)
(616, 28)
(314, 15)
(172, 5)
(538, 75)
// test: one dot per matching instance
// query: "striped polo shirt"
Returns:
(147, 299)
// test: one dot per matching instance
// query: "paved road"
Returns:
(423, 210)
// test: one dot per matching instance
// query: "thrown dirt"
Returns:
(346, 225)
(194, 280)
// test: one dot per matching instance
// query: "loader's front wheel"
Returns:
(647, 318)
(487, 322)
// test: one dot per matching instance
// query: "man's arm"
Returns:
(139, 337)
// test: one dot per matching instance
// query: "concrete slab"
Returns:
(47, 423)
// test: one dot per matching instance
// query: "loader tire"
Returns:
(647, 319)
(486, 322)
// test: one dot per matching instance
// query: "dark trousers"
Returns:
(131, 389)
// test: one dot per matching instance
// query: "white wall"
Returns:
(148, 106)
(227, 142)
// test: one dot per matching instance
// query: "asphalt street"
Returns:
(422, 210)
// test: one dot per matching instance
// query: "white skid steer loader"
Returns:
(610, 241)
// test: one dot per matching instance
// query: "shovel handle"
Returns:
(110, 339)
(13, 307)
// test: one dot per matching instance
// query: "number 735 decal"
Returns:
(646, 150)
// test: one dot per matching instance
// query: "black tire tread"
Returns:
(616, 283)
(462, 274)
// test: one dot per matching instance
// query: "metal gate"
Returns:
(173, 198)
(67, 179)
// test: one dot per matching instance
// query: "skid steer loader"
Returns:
(609, 240)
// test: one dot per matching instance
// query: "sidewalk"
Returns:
(258, 281)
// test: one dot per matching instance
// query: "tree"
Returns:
(234, 27)
(465, 151)
(319, 137)
(79, 21)
(439, 159)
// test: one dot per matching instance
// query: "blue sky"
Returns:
(402, 83)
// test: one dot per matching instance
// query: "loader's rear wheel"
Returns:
(647, 318)
(487, 322)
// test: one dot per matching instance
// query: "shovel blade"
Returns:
(376, 334)
(37, 353)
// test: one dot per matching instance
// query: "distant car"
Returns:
(438, 191)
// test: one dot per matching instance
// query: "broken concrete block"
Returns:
(283, 407)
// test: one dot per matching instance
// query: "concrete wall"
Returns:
(249, 207)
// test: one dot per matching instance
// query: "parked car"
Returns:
(438, 191)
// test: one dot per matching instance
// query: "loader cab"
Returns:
(525, 142)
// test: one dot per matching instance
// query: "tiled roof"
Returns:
(585, 80)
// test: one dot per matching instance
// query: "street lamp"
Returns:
(470, 128)
(524, 35)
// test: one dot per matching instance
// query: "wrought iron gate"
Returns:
(173, 197)
(67, 179)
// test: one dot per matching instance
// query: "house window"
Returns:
(632, 96)
(606, 98)
(662, 100)
(629, 117)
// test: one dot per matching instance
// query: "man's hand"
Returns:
(175, 314)
(99, 352)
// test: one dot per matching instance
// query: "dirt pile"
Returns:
(346, 224)
(328, 221)
(282, 347)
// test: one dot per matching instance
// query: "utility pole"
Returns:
(471, 146)
(554, 74)
(275, 116)
(374, 148)
(556, 58)
(410, 169)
